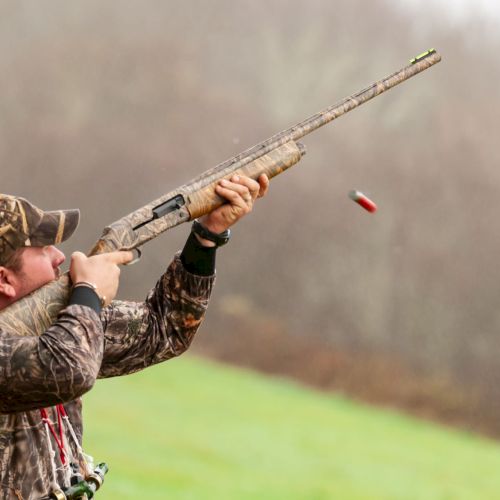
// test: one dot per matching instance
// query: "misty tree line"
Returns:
(107, 106)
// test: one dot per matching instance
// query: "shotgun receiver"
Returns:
(33, 314)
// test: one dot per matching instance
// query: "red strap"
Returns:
(59, 423)
(62, 410)
(58, 439)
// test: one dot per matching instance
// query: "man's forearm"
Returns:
(138, 335)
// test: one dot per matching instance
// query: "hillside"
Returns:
(193, 429)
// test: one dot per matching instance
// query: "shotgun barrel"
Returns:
(33, 314)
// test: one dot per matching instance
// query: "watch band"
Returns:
(218, 238)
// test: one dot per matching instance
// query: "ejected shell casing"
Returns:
(363, 200)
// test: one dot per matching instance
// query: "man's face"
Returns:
(39, 265)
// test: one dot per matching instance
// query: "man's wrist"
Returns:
(92, 286)
(85, 296)
(213, 224)
(204, 242)
(207, 237)
(197, 258)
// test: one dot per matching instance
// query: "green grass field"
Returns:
(192, 429)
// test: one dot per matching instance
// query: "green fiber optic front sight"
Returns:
(422, 56)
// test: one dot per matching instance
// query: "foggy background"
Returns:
(107, 105)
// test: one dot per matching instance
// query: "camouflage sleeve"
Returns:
(138, 335)
(59, 366)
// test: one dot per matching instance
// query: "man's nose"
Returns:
(57, 257)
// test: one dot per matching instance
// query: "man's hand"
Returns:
(241, 193)
(101, 270)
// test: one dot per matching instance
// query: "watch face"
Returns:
(224, 239)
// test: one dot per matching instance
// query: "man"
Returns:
(42, 378)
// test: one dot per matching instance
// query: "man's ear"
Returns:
(6, 283)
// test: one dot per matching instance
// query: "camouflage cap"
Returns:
(24, 225)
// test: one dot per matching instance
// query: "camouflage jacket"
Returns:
(64, 362)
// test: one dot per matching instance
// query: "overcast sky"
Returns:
(458, 10)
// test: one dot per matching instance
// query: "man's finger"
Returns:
(239, 186)
(263, 185)
(252, 186)
(239, 190)
(121, 257)
(233, 196)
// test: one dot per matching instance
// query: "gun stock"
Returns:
(35, 313)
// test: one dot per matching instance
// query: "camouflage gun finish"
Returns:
(35, 313)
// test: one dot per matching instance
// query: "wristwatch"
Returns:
(218, 238)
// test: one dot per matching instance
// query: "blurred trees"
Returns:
(106, 105)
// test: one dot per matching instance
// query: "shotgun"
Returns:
(33, 314)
